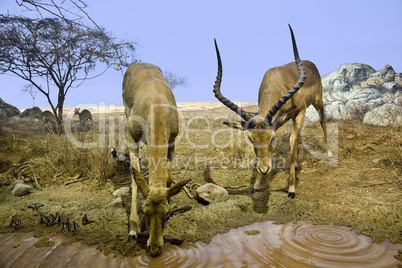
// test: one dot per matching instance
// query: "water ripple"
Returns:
(256, 245)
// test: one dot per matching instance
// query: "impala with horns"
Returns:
(285, 93)
(152, 118)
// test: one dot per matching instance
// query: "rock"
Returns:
(341, 86)
(3, 115)
(384, 115)
(393, 86)
(9, 109)
(34, 112)
(365, 99)
(311, 114)
(209, 193)
(390, 76)
(336, 110)
(373, 82)
(346, 77)
(117, 203)
(11, 186)
(376, 161)
(122, 192)
(386, 70)
(356, 89)
(21, 189)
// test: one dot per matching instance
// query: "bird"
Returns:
(15, 222)
(120, 157)
(85, 220)
(35, 206)
(76, 227)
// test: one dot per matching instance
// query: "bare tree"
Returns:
(31, 90)
(71, 11)
(57, 53)
(175, 80)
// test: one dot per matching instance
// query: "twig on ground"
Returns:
(76, 179)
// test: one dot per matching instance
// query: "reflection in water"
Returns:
(256, 245)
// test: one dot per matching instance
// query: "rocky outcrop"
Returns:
(346, 77)
(354, 90)
(384, 116)
(8, 110)
(34, 112)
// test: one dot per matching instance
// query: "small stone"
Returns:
(377, 161)
(117, 203)
(122, 192)
(11, 186)
(209, 193)
(21, 189)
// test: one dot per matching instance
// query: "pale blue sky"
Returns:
(253, 36)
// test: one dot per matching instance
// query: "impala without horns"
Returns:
(84, 116)
(152, 118)
(285, 93)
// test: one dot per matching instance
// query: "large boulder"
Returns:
(384, 116)
(347, 76)
(356, 89)
(336, 110)
(34, 112)
(365, 97)
(393, 86)
(386, 72)
(9, 109)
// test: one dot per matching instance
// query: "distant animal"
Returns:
(285, 93)
(47, 117)
(152, 118)
(84, 116)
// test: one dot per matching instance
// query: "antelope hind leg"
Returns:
(320, 109)
(134, 221)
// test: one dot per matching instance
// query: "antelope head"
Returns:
(157, 210)
(262, 126)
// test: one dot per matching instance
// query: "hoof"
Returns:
(131, 237)
(291, 195)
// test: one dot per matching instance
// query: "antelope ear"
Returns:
(175, 189)
(242, 125)
(283, 118)
(141, 183)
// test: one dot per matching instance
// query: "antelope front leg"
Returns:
(170, 160)
(294, 151)
(258, 183)
(134, 221)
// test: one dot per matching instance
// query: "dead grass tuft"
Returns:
(54, 157)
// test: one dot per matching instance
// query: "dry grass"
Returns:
(54, 157)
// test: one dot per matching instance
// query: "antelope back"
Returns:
(278, 80)
(146, 95)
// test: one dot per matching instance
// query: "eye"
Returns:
(250, 139)
(273, 138)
